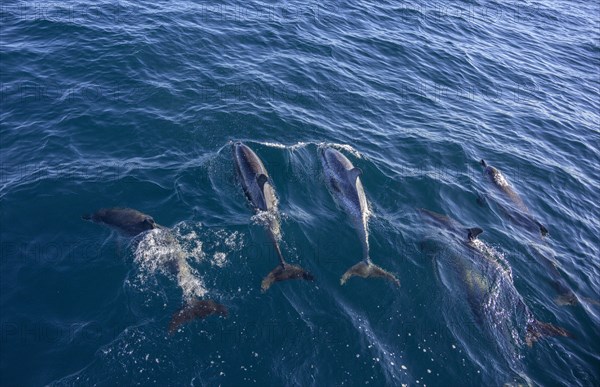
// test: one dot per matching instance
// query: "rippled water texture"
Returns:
(135, 105)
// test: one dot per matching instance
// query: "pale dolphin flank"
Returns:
(345, 185)
(525, 217)
(259, 191)
(132, 223)
(127, 220)
(486, 276)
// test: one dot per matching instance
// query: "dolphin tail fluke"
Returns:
(367, 269)
(86, 216)
(538, 329)
(285, 271)
(196, 309)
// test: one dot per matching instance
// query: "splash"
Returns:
(501, 180)
(494, 256)
(219, 259)
(175, 253)
(265, 218)
(190, 282)
(160, 252)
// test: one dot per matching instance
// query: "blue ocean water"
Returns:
(135, 105)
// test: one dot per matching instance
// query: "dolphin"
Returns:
(132, 223)
(127, 220)
(344, 184)
(259, 190)
(489, 282)
(524, 217)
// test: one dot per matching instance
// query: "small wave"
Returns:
(384, 355)
(298, 145)
(346, 147)
(264, 218)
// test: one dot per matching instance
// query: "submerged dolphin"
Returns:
(132, 223)
(524, 217)
(259, 191)
(345, 185)
(485, 277)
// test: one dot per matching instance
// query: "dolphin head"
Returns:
(149, 223)
(235, 145)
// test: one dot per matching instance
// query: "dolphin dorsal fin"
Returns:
(354, 173)
(261, 179)
(473, 233)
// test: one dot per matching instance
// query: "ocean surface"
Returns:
(128, 104)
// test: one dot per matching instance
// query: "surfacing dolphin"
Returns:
(524, 216)
(344, 183)
(488, 283)
(259, 191)
(126, 220)
(132, 223)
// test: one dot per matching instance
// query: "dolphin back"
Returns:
(254, 178)
(526, 218)
(344, 180)
(127, 220)
(259, 191)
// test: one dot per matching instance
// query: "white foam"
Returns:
(160, 252)
(234, 241)
(495, 257)
(219, 259)
(346, 147)
(190, 282)
(176, 252)
(298, 145)
(264, 218)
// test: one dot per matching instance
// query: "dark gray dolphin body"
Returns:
(345, 185)
(259, 191)
(127, 220)
(486, 277)
(523, 216)
(132, 223)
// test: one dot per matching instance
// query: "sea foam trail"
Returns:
(159, 251)
(177, 251)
